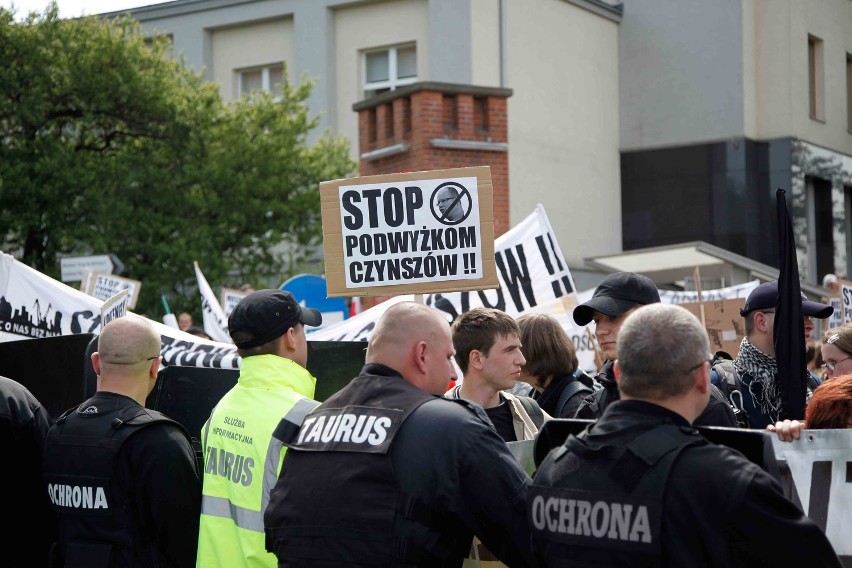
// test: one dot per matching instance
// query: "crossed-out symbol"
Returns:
(451, 203)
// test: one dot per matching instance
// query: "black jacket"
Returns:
(715, 508)
(437, 474)
(24, 423)
(124, 482)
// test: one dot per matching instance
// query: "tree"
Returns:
(108, 144)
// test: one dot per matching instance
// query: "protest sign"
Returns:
(723, 322)
(229, 298)
(846, 300)
(836, 317)
(413, 233)
(103, 285)
(114, 307)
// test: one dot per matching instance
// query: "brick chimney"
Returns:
(434, 126)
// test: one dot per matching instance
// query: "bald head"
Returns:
(128, 340)
(127, 358)
(414, 340)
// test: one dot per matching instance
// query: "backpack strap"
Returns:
(569, 391)
(533, 410)
(731, 386)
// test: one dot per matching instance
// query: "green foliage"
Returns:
(110, 145)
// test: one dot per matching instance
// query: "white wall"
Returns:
(782, 63)
(563, 124)
(366, 26)
(485, 42)
(249, 45)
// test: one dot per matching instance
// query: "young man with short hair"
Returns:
(488, 353)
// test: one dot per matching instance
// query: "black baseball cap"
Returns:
(616, 294)
(765, 297)
(266, 314)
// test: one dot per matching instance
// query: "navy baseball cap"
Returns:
(765, 297)
(616, 294)
(265, 315)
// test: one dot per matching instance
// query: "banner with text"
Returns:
(33, 305)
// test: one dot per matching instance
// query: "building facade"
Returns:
(559, 59)
(722, 103)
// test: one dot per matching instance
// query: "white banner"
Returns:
(33, 305)
(729, 293)
(819, 463)
(215, 322)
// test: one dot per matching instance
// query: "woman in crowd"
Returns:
(837, 351)
(813, 355)
(559, 385)
(830, 407)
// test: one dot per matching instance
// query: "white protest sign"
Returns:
(230, 298)
(836, 317)
(391, 237)
(820, 462)
(114, 307)
(419, 232)
(103, 286)
(846, 300)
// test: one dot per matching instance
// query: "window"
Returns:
(389, 68)
(849, 91)
(267, 78)
(815, 78)
(820, 229)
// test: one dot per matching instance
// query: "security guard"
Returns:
(386, 472)
(241, 457)
(641, 487)
(123, 479)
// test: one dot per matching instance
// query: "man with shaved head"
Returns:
(123, 479)
(386, 472)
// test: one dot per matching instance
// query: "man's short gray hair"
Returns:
(659, 347)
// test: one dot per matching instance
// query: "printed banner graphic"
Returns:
(33, 305)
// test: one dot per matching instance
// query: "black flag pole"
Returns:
(789, 329)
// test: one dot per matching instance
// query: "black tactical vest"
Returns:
(337, 501)
(98, 526)
(595, 504)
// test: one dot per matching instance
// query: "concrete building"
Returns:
(558, 58)
(725, 101)
(639, 126)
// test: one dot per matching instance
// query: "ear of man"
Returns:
(702, 378)
(475, 359)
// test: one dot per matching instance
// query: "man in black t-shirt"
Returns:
(488, 353)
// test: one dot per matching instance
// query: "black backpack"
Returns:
(730, 385)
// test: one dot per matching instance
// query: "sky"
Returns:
(74, 8)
